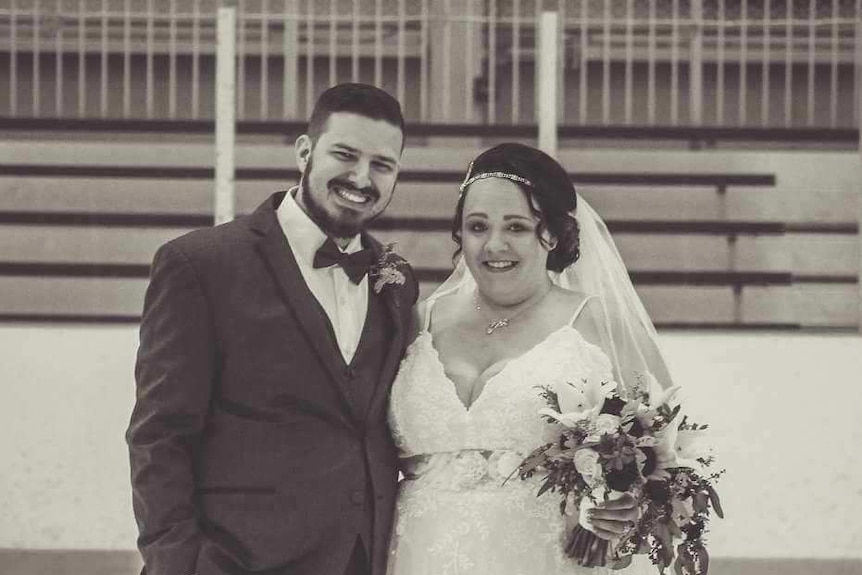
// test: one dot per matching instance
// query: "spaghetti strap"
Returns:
(426, 321)
(580, 309)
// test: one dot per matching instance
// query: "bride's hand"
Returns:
(611, 519)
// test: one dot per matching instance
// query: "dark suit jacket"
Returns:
(248, 451)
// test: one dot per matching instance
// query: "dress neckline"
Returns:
(508, 362)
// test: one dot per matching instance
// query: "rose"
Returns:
(607, 423)
(587, 464)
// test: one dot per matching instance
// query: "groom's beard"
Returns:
(330, 224)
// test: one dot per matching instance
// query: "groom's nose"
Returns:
(360, 174)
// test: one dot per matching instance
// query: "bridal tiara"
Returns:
(483, 175)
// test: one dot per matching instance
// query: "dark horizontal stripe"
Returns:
(733, 325)
(710, 278)
(68, 318)
(437, 275)
(822, 228)
(426, 129)
(107, 220)
(74, 270)
(418, 224)
(713, 133)
(405, 176)
(825, 279)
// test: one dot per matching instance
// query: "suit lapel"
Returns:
(391, 300)
(275, 250)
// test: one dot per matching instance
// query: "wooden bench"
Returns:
(84, 218)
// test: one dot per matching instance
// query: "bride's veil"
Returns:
(627, 334)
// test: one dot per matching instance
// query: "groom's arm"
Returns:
(174, 374)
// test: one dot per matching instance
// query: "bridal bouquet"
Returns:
(608, 442)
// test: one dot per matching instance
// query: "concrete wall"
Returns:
(783, 410)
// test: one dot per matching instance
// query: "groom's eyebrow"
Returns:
(351, 149)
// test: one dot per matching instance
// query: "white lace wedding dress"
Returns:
(455, 515)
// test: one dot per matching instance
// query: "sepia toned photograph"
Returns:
(430, 287)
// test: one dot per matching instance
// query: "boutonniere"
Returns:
(388, 269)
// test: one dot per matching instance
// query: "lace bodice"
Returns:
(427, 416)
(456, 511)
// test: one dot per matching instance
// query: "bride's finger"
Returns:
(625, 514)
(626, 501)
(613, 528)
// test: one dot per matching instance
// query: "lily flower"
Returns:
(580, 401)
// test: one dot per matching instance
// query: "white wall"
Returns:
(783, 410)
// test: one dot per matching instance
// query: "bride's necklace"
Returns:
(503, 322)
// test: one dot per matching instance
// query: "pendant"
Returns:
(497, 324)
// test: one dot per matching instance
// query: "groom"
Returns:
(259, 441)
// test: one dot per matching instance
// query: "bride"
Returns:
(539, 296)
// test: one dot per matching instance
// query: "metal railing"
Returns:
(743, 63)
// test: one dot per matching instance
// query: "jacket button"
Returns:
(357, 497)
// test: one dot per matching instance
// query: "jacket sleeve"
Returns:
(174, 374)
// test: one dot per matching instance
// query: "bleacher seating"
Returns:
(712, 238)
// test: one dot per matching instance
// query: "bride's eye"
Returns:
(476, 226)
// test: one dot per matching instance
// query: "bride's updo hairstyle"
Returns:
(549, 190)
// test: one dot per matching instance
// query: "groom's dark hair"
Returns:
(361, 99)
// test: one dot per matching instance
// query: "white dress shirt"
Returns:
(345, 303)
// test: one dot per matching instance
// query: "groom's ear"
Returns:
(303, 148)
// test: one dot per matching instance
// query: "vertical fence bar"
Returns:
(629, 59)
(264, 59)
(149, 89)
(606, 64)
(378, 43)
(172, 60)
(812, 48)
(492, 62)
(402, 49)
(547, 81)
(764, 72)
(127, 58)
(561, 58)
(833, 84)
(241, 51)
(82, 59)
(58, 61)
(447, 61)
(354, 44)
(290, 55)
(469, 72)
(788, 66)
(583, 95)
(13, 58)
(695, 76)
(516, 61)
(743, 64)
(674, 63)
(37, 57)
(719, 65)
(309, 58)
(423, 62)
(196, 57)
(103, 72)
(333, 47)
(225, 113)
(651, 57)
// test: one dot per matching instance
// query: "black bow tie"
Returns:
(355, 265)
